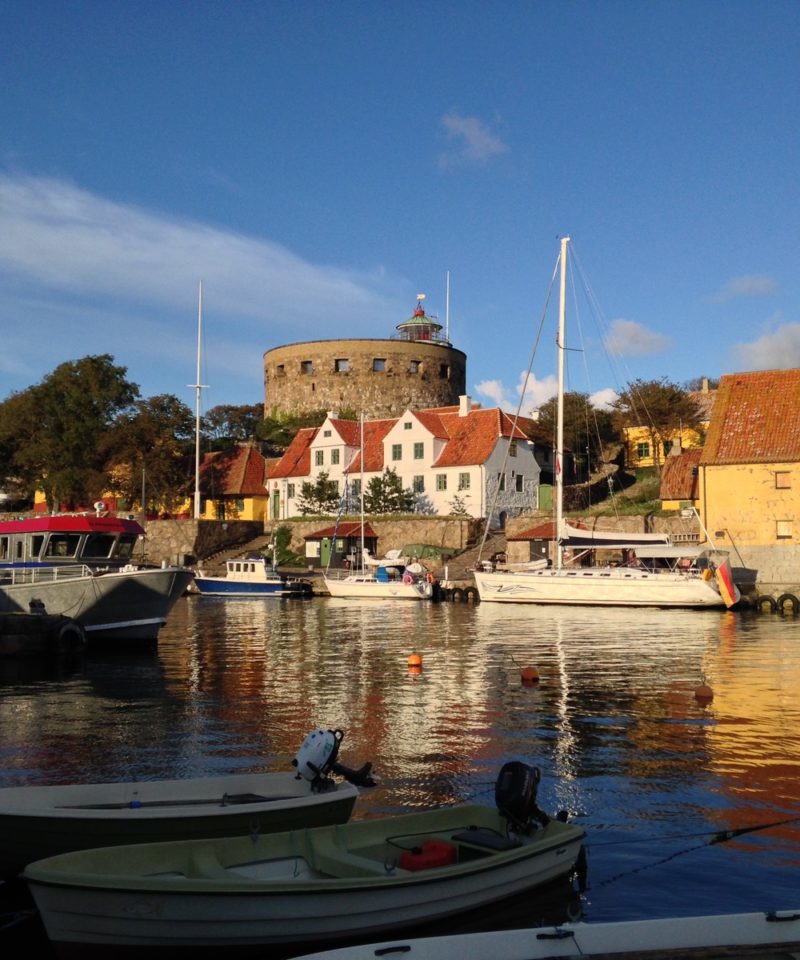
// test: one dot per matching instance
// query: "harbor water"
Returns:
(690, 805)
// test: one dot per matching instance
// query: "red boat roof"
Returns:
(67, 523)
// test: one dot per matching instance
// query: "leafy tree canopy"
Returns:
(227, 423)
(52, 431)
(586, 428)
(385, 494)
(322, 496)
(278, 432)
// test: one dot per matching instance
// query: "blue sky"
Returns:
(318, 164)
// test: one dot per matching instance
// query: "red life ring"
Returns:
(407, 578)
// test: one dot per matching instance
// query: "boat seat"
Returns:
(337, 861)
(204, 864)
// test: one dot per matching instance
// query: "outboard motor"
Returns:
(515, 795)
(317, 758)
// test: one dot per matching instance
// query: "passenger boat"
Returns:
(81, 566)
(251, 576)
(304, 887)
(774, 935)
(42, 821)
(694, 586)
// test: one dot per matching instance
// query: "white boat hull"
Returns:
(598, 586)
(123, 604)
(43, 821)
(366, 588)
(735, 935)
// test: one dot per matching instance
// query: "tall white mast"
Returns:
(447, 310)
(361, 491)
(198, 387)
(561, 346)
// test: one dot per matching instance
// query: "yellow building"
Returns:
(749, 474)
(639, 452)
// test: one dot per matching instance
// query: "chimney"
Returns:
(464, 405)
(704, 387)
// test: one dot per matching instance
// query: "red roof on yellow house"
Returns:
(240, 472)
(679, 480)
(756, 419)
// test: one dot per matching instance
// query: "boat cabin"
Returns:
(46, 541)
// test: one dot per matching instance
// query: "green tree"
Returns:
(322, 496)
(227, 423)
(586, 428)
(660, 407)
(152, 444)
(53, 430)
(385, 494)
(278, 432)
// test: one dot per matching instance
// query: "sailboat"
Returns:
(385, 580)
(703, 581)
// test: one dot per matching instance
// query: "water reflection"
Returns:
(614, 724)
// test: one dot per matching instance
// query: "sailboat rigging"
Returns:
(704, 580)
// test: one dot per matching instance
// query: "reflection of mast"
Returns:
(565, 745)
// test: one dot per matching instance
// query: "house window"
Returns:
(290, 491)
(502, 481)
(642, 451)
(783, 480)
(307, 367)
(783, 529)
(444, 371)
(280, 370)
(356, 487)
(441, 481)
(463, 481)
(419, 451)
(520, 481)
(327, 433)
(397, 451)
(418, 484)
(335, 455)
(414, 366)
(240, 506)
(667, 447)
(408, 425)
(319, 457)
(378, 365)
(512, 448)
(341, 366)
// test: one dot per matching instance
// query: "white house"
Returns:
(450, 457)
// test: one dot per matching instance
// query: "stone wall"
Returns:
(415, 373)
(189, 541)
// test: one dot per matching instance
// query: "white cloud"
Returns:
(536, 392)
(603, 399)
(629, 339)
(473, 142)
(494, 391)
(777, 350)
(92, 275)
(749, 285)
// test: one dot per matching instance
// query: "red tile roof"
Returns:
(349, 528)
(472, 438)
(374, 434)
(296, 462)
(756, 419)
(239, 472)
(679, 479)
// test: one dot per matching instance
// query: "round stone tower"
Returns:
(417, 367)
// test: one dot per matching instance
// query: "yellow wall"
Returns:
(636, 435)
(744, 500)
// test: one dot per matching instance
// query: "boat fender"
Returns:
(471, 595)
(71, 636)
(458, 595)
(407, 578)
(788, 600)
(767, 603)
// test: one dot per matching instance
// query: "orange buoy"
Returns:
(415, 660)
(704, 693)
(529, 675)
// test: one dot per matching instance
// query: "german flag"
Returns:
(727, 588)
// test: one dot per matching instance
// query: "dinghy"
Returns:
(767, 936)
(42, 821)
(306, 887)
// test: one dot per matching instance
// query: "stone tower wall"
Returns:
(382, 378)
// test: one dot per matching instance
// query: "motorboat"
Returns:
(83, 567)
(311, 886)
(252, 576)
(42, 821)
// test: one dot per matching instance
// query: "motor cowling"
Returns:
(317, 754)
(515, 794)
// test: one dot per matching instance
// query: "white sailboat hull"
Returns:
(599, 586)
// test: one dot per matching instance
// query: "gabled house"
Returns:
(639, 451)
(749, 472)
(454, 459)
(233, 484)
